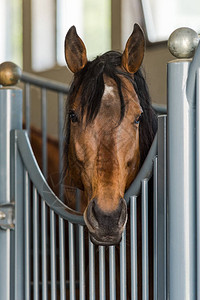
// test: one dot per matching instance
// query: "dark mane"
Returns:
(148, 124)
(91, 79)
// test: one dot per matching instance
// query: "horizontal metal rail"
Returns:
(44, 83)
(160, 109)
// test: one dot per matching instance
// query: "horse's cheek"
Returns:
(79, 151)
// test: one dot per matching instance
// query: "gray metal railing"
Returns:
(36, 193)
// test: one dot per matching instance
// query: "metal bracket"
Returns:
(7, 216)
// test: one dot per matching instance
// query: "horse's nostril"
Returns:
(90, 217)
(123, 215)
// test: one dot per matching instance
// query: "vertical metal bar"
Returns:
(181, 184)
(112, 272)
(145, 260)
(18, 245)
(123, 290)
(53, 255)
(11, 265)
(71, 262)
(91, 270)
(102, 273)
(35, 245)
(198, 179)
(155, 227)
(81, 263)
(60, 138)
(44, 131)
(44, 250)
(27, 234)
(27, 107)
(160, 212)
(133, 240)
(62, 259)
(77, 208)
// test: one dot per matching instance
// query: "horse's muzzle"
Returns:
(105, 228)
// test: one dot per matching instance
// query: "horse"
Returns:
(109, 128)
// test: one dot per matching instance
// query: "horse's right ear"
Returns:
(75, 51)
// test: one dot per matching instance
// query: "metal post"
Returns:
(91, 271)
(198, 180)
(62, 259)
(102, 273)
(35, 244)
(160, 213)
(81, 262)
(182, 165)
(145, 241)
(133, 240)
(112, 272)
(123, 282)
(181, 185)
(72, 286)
(11, 118)
(44, 131)
(44, 249)
(27, 232)
(53, 254)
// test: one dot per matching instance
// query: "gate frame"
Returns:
(11, 270)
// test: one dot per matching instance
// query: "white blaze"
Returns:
(108, 90)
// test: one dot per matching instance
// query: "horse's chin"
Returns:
(106, 241)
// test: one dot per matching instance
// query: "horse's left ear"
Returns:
(134, 50)
(75, 51)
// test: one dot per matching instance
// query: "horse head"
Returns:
(103, 131)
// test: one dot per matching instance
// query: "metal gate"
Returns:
(45, 250)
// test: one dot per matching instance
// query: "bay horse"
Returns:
(110, 126)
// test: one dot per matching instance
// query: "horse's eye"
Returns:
(138, 119)
(73, 117)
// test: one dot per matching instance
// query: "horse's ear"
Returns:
(75, 51)
(134, 50)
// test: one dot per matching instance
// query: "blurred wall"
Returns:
(155, 66)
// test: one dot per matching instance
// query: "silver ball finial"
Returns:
(10, 73)
(183, 42)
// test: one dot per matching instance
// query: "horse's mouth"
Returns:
(106, 241)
